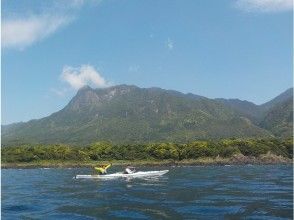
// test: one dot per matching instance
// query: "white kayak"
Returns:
(118, 175)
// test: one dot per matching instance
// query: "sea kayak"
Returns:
(121, 175)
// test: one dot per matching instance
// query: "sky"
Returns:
(218, 49)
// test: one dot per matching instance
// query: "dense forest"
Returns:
(105, 151)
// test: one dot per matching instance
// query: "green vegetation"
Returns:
(128, 114)
(105, 151)
(279, 119)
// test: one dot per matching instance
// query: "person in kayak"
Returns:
(129, 170)
(102, 169)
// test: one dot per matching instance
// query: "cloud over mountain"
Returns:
(83, 75)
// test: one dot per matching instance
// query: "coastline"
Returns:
(266, 159)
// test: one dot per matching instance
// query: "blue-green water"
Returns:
(211, 192)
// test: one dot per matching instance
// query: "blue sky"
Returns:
(226, 48)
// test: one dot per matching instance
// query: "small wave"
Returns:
(16, 208)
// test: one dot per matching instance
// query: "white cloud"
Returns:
(83, 75)
(264, 5)
(22, 27)
(169, 44)
(20, 33)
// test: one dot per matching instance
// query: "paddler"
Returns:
(102, 169)
(129, 170)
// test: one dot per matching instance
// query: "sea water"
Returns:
(186, 192)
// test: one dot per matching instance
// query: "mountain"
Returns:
(285, 96)
(247, 109)
(256, 113)
(124, 114)
(279, 118)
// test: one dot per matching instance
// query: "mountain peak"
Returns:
(85, 96)
(123, 87)
(83, 90)
(90, 98)
(85, 87)
(288, 94)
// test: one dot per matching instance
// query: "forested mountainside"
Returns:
(129, 114)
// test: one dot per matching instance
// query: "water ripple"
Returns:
(212, 192)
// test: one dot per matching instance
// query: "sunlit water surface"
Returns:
(196, 192)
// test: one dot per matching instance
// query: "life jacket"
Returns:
(102, 169)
